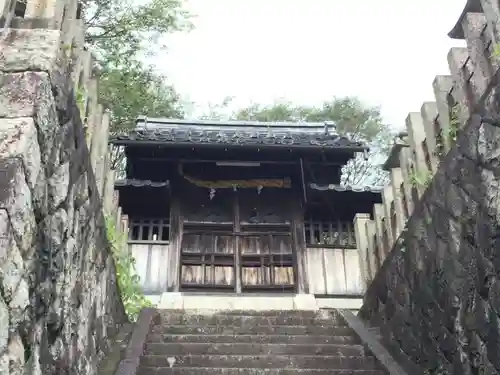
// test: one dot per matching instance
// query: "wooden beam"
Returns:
(185, 161)
(303, 180)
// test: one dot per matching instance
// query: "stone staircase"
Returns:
(254, 342)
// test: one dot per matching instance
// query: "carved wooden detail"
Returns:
(266, 207)
(200, 207)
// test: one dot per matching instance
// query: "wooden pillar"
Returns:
(299, 240)
(174, 254)
(237, 255)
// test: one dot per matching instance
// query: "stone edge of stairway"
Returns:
(367, 337)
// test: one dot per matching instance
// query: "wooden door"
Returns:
(207, 249)
(242, 246)
(266, 261)
(208, 260)
(265, 247)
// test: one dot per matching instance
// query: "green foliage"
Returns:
(496, 51)
(80, 101)
(132, 296)
(449, 135)
(454, 123)
(123, 28)
(133, 90)
(418, 178)
(121, 33)
(349, 114)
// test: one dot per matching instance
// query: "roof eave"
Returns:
(342, 189)
(128, 142)
(472, 6)
(122, 183)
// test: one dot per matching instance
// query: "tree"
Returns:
(121, 33)
(134, 89)
(352, 119)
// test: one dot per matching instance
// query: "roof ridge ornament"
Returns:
(328, 123)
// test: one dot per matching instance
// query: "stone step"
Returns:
(176, 349)
(169, 318)
(250, 371)
(256, 339)
(254, 329)
(272, 313)
(260, 361)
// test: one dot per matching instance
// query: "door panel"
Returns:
(207, 261)
(266, 262)
(258, 244)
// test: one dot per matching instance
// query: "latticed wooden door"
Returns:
(265, 246)
(247, 249)
(267, 261)
(208, 260)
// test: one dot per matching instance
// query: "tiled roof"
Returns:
(236, 133)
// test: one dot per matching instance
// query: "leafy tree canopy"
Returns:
(121, 33)
(352, 118)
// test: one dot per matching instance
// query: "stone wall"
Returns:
(431, 132)
(59, 302)
(431, 255)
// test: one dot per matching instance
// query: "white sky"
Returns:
(386, 52)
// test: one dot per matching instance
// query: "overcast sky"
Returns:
(386, 52)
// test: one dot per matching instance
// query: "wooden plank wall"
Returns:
(151, 265)
(334, 271)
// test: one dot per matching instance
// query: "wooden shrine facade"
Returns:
(264, 214)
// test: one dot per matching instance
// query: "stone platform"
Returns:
(227, 302)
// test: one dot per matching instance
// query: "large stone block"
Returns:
(19, 139)
(29, 95)
(30, 50)
(16, 199)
